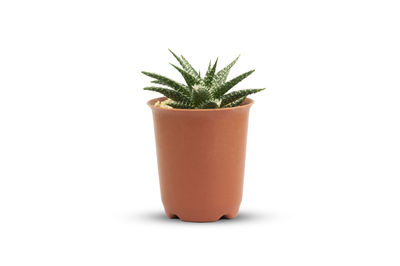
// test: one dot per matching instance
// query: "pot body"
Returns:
(201, 159)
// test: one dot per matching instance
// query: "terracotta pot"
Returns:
(201, 157)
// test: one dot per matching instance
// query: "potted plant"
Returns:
(201, 133)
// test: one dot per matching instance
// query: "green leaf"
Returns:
(200, 96)
(190, 80)
(180, 105)
(168, 82)
(177, 58)
(210, 104)
(188, 67)
(171, 94)
(236, 103)
(230, 98)
(223, 88)
(210, 74)
(222, 75)
(209, 66)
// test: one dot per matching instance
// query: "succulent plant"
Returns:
(200, 92)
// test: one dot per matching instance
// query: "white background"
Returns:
(78, 172)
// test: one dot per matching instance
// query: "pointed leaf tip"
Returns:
(232, 97)
(225, 87)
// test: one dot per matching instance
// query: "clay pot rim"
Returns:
(246, 104)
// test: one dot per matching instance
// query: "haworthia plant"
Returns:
(208, 92)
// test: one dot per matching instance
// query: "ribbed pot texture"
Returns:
(201, 158)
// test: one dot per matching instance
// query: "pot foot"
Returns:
(172, 216)
(229, 216)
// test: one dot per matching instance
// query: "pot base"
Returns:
(202, 219)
